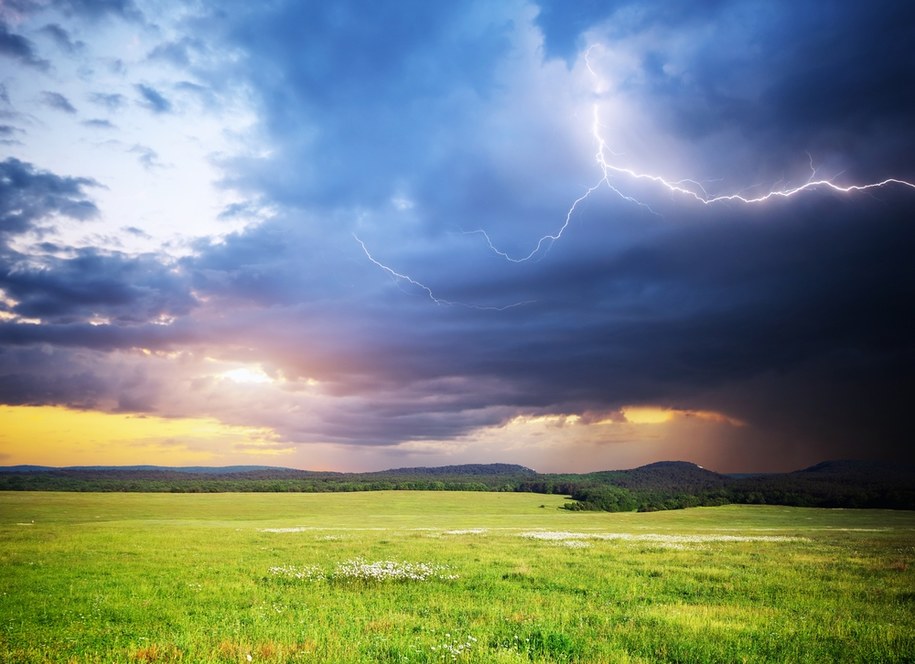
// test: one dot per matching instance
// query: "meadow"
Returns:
(446, 577)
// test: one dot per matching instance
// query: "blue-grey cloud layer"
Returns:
(408, 124)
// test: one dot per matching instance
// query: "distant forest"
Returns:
(659, 486)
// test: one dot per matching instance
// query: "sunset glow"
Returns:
(52, 435)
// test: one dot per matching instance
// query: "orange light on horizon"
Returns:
(661, 415)
(60, 436)
(647, 414)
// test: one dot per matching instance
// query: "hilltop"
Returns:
(468, 469)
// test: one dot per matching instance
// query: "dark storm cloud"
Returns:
(367, 87)
(63, 286)
(708, 305)
(85, 336)
(847, 82)
(34, 377)
(409, 123)
(726, 307)
(29, 196)
(79, 366)
(125, 289)
(153, 99)
(564, 23)
(835, 79)
(19, 48)
(57, 101)
(754, 308)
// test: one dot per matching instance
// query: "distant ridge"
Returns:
(25, 469)
(857, 467)
(654, 486)
(461, 469)
(669, 470)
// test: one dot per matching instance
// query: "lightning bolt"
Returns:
(688, 188)
(696, 192)
(400, 277)
(542, 241)
(677, 188)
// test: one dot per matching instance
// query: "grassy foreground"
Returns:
(467, 577)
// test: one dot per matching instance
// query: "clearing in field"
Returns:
(446, 577)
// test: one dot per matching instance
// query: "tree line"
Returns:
(660, 486)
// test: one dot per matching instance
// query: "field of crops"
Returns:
(446, 577)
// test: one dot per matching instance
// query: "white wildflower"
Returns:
(284, 530)
(390, 570)
(454, 648)
(466, 531)
(662, 540)
(296, 572)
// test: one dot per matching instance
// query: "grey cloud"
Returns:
(148, 157)
(96, 9)
(117, 66)
(19, 48)
(62, 38)
(153, 99)
(98, 123)
(111, 101)
(239, 210)
(57, 101)
(410, 67)
(725, 313)
(793, 316)
(61, 291)
(77, 390)
(207, 96)
(105, 338)
(75, 377)
(176, 53)
(138, 232)
(128, 290)
(28, 196)
(774, 79)
(630, 306)
(723, 301)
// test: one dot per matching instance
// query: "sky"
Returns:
(361, 235)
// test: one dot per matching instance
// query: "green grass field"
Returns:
(495, 578)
